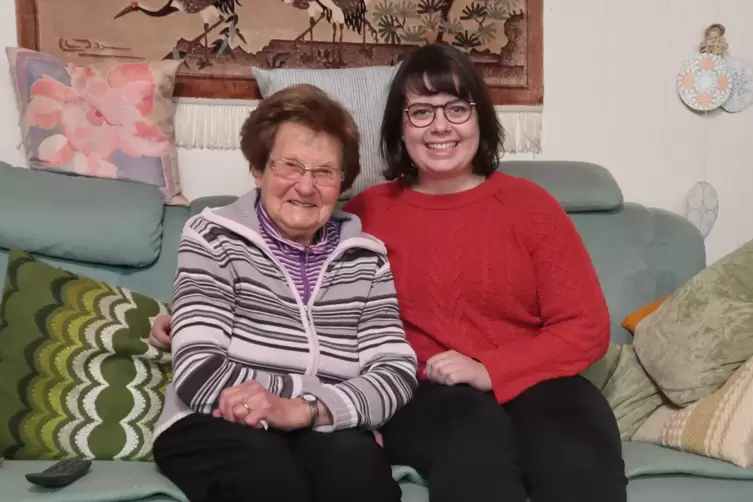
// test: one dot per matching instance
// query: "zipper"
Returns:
(305, 276)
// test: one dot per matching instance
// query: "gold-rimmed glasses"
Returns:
(292, 170)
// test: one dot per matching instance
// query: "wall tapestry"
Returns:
(220, 40)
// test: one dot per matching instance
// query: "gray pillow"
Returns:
(363, 91)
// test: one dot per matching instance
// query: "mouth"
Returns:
(301, 204)
(447, 145)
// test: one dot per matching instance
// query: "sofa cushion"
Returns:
(630, 392)
(703, 333)
(84, 219)
(632, 320)
(107, 119)
(78, 376)
(362, 91)
(719, 425)
(578, 186)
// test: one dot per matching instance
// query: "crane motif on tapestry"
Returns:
(222, 10)
(340, 14)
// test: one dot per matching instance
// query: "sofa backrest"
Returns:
(640, 254)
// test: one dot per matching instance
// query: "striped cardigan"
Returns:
(237, 316)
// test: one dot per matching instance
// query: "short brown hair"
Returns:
(309, 106)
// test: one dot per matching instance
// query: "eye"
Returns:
(323, 173)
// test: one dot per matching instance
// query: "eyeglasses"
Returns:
(293, 170)
(423, 114)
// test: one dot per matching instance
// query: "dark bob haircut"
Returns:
(306, 105)
(440, 66)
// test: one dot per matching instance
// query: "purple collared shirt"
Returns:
(303, 263)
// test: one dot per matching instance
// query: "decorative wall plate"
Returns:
(703, 82)
(703, 207)
(740, 83)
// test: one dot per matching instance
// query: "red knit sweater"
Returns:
(498, 273)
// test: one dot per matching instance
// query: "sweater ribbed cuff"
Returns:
(343, 412)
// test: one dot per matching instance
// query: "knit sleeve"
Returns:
(575, 323)
(388, 365)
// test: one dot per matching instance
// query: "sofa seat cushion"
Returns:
(77, 218)
(644, 459)
(107, 481)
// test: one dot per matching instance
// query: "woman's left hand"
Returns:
(249, 403)
(451, 368)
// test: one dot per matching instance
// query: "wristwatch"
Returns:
(313, 403)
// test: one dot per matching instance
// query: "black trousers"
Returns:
(212, 460)
(556, 442)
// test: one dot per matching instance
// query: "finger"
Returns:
(437, 357)
(444, 363)
(258, 410)
(430, 373)
(241, 412)
(255, 417)
(228, 400)
(447, 370)
(456, 376)
(155, 341)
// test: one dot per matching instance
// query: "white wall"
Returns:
(610, 69)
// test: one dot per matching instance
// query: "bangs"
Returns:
(431, 76)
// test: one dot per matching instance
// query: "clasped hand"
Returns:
(249, 403)
(452, 368)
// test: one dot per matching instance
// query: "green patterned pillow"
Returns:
(77, 376)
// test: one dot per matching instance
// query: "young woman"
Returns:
(499, 299)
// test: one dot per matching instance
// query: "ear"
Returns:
(258, 176)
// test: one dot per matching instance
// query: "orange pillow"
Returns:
(632, 320)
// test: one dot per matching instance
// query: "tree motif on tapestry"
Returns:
(428, 21)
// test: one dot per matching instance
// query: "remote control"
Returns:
(60, 474)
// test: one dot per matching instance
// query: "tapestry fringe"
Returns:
(216, 124)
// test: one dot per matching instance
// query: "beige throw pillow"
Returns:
(693, 343)
(718, 426)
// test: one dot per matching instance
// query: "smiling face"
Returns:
(442, 149)
(300, 207)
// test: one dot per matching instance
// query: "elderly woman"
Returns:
(286, 337)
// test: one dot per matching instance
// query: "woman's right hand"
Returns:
(159, 336)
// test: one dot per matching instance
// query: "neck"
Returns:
(164, 11)
(302, 239)
(442, 185)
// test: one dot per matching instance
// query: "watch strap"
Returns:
(313, 404)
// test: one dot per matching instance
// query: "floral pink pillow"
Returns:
(105, 120)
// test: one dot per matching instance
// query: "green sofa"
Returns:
(641, 254)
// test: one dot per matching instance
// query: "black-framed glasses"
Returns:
(423, 114)
(292, 170)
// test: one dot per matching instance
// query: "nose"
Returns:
(440, 124)
(305, 185)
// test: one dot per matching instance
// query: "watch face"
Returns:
(309, 397)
